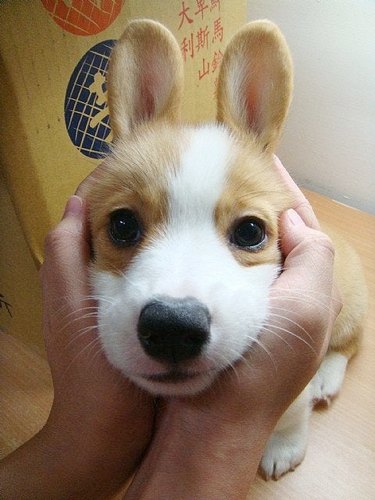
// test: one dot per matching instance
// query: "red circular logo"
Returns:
(83, 17)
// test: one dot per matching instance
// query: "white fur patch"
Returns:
(328, 380)
(189, 259)
(286, 447)
(199, 182)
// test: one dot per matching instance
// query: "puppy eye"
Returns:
(249, 233)
(124, 228)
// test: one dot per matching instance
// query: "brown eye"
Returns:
(124, 228)
(249, 233)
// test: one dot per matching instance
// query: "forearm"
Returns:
(206, 459)
(54, 465)
(35, 470)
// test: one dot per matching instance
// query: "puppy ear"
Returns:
(145, 77)
(255, 82)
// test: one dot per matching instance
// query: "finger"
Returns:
(300, 203)
(95, 176)
(297, 332)
(71, 232)
(309, 253)
(291, 237)
(305, 286)
(76, 213)
(300, 300)
(73, 207)
(67, 253)
(68, 308)
(73, 222)
(294, 231)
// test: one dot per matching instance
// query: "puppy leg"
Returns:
(286, 447)
(328, 380)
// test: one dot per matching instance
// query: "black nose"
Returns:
(174, 330)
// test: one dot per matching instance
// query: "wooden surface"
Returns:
(25, 393)
(340, 461)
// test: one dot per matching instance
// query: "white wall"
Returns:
(329, 141)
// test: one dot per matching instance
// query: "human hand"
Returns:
(210, 445)
(99, 424)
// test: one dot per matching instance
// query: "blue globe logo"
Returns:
(86, 107)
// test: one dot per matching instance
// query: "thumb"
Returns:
(314, 251)
(67, 249)
(73, 207)
(64, 273)
(305, 287)
(307, 250)
(294, 233)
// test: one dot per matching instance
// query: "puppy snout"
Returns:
(174, 330)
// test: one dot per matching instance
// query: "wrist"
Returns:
(101, 449)
(196, 455)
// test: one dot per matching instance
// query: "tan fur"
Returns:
(252, 189)
(349, 276)
(154, 149)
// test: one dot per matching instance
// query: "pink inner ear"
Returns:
(252, 110)
(146, 105)
(254, 93)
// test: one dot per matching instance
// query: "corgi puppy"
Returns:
(185, 224)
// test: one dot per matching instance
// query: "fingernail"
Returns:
(294, 218)
(73, 206)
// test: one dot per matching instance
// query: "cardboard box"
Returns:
(54, 126)
(20, 295)
(54, 54)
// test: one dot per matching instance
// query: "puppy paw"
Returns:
(283, 453)
(328, 380)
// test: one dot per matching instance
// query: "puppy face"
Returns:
(184, 223)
